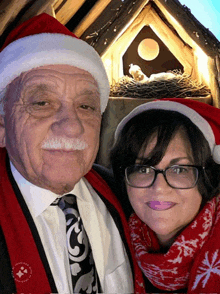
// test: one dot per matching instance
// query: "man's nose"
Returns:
(67, 122)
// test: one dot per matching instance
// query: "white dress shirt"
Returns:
(109, 254)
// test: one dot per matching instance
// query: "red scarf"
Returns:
(193, 260)
(23, 252)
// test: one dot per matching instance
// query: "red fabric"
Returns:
(193, 260)
(208, 112)
(20, 242)
(39, 24)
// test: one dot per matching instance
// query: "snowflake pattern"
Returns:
(172, 270)
(160, 276)
(218, 210)
(209, 267)
(185, 248)
(194, 225)
(207, 221)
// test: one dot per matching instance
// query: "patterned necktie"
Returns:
(82, 266)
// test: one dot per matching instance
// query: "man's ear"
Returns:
(2, 132)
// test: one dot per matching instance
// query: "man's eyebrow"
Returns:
(90, 91)
(88, 84)
(39, 87)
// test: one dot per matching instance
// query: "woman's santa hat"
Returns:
(42, 40)
(204, 116)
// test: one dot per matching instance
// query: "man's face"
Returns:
(52, 124)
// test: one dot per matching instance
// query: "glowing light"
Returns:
(148, 49)
(108, 62)
(202, 61)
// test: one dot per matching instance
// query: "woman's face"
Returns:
(177, 207)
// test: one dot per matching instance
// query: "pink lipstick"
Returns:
(160, 205)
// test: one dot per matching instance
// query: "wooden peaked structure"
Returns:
(110, 26)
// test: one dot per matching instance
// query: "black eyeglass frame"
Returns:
(163, 171)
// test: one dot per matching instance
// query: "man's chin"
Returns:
(62, 178)
(60, 186)
(62, 189)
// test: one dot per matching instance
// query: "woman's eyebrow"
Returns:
(176, 160)
(143, 160)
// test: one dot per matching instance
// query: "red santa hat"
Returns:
(204, 116)
(42, 40)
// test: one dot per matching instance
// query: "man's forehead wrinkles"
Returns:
(36, 78)
(39, 86)
(86, 85)
(57, 78)
(87, 78)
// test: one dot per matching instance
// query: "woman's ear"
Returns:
(2, 132)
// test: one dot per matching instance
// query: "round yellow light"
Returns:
(148, 49)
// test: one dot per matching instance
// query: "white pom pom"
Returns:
(216, 154)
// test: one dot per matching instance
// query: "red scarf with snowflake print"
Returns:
(193, 260)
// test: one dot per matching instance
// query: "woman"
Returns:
(166, 162)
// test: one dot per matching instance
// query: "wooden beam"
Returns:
(149, 17)
(56, 4)
(106, 28)
(177, 27)
(97, 9)
(36, 8)
(115, 52)
(199, 34)
(50, 10)
(214, 82)
(124, 41)
(67, 10)
(217, 61)
(9, 11)
(134, 27)
(174, 43)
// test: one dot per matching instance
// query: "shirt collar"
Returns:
(36, 198)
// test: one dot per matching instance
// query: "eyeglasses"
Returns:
(176, 176)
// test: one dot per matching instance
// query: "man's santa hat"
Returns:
(42, 40)
(204, 116)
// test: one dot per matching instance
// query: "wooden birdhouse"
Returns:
(158, 36)
(163, 36)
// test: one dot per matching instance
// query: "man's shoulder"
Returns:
(102, 170)
(106, 174)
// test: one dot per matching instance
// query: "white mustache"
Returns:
(65, 144)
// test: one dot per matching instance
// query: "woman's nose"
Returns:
(160, 183)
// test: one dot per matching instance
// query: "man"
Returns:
(53, 91)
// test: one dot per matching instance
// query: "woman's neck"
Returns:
(166, 241)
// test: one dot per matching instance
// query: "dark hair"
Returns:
(136, 134)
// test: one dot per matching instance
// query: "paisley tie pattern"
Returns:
(82, 266)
